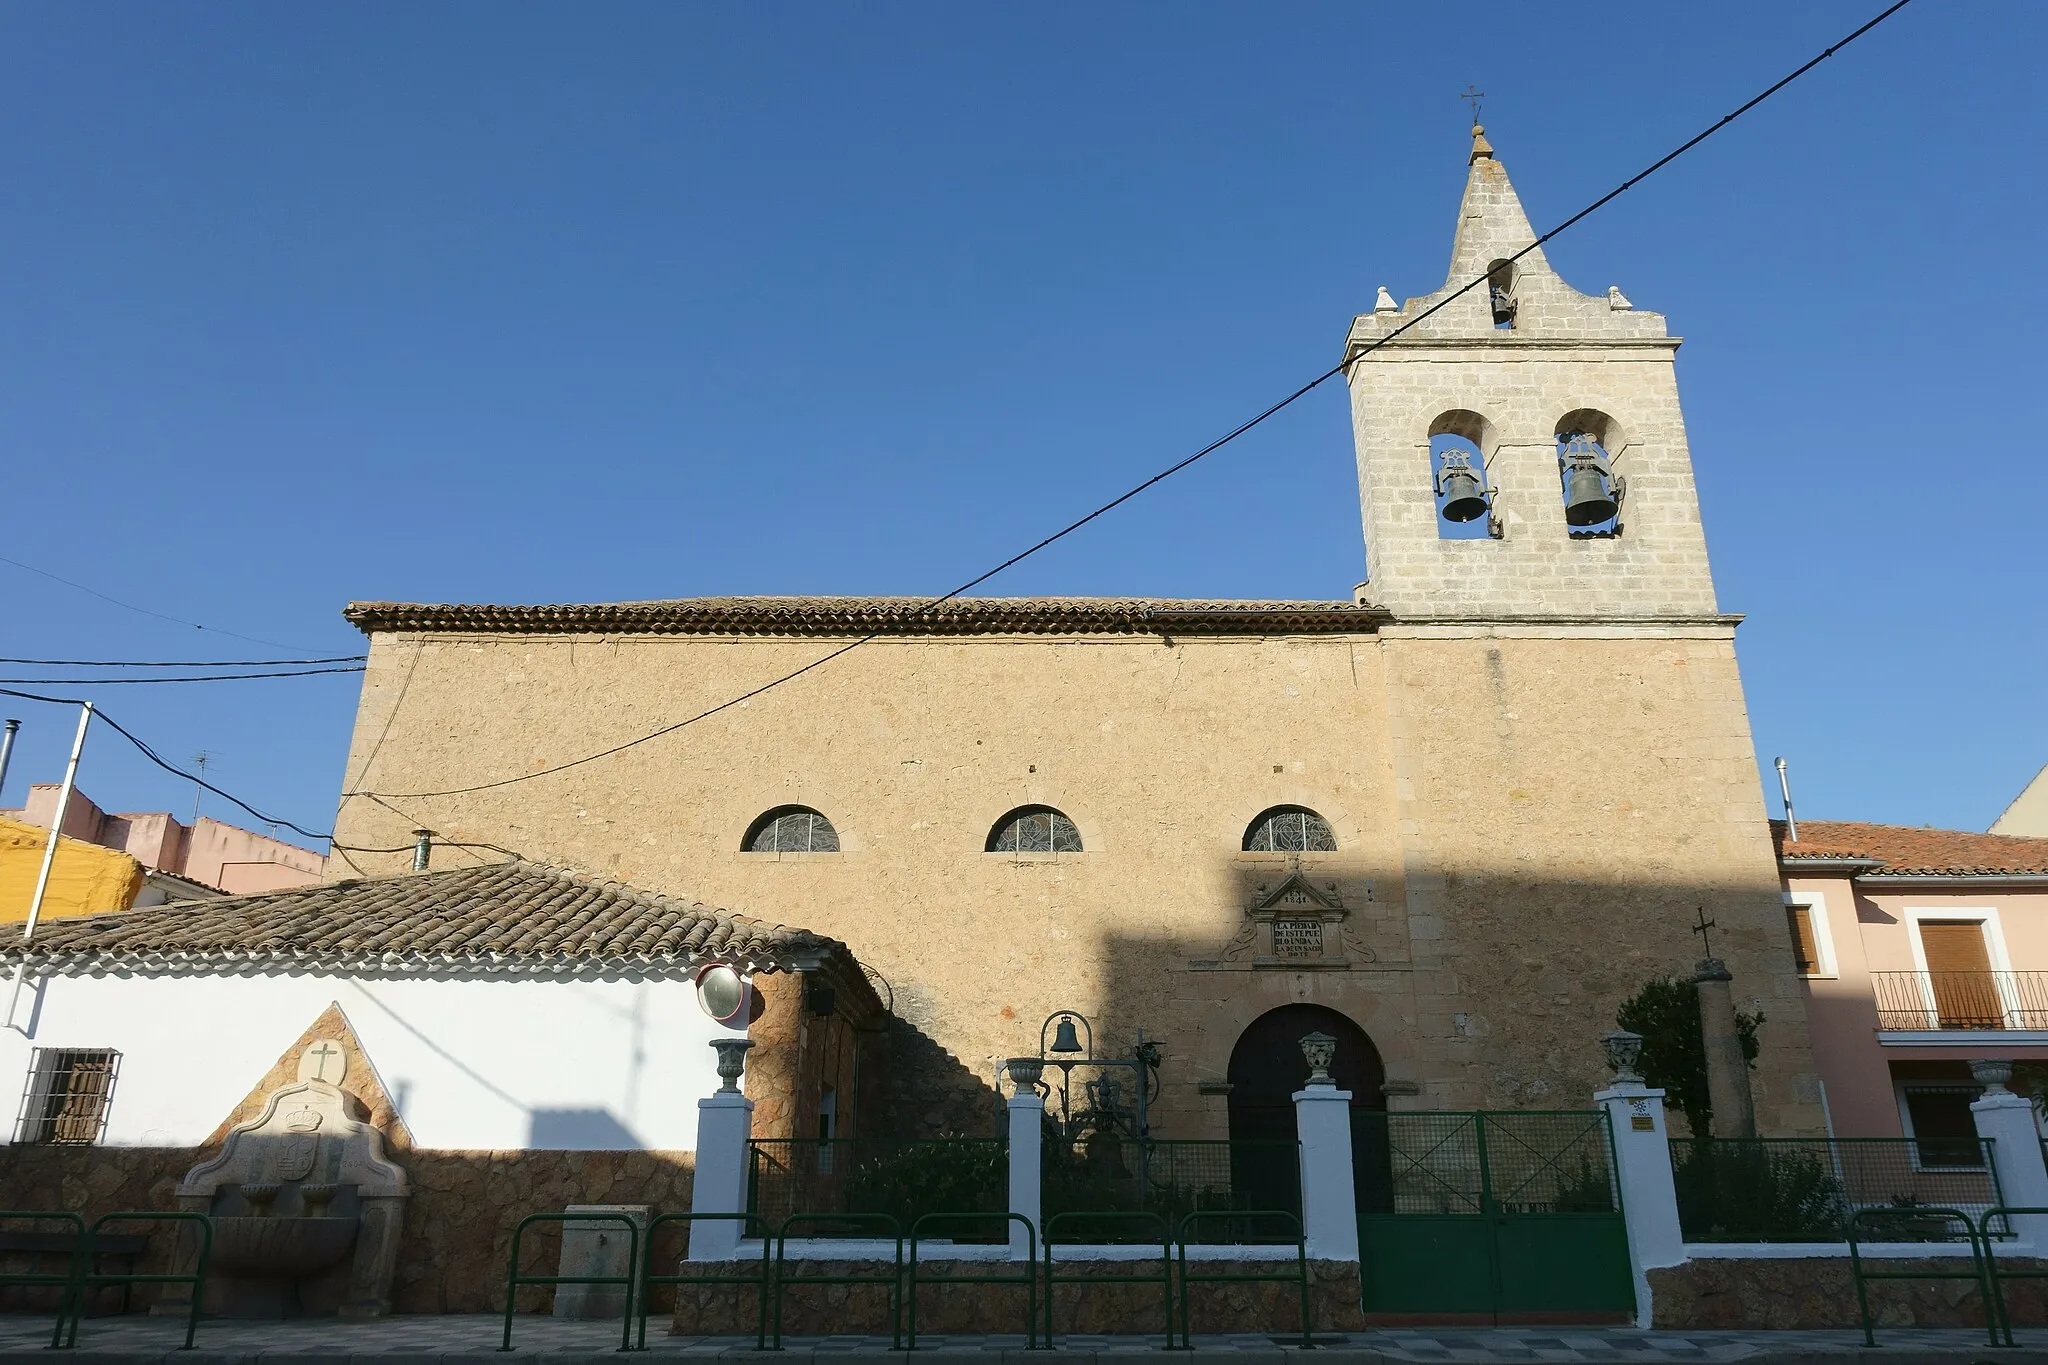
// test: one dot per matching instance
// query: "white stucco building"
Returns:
(502, 1007)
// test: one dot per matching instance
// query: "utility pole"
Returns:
(35, 905)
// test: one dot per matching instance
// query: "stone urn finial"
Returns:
(732, 1062)
(1992, 1075)
(1624, 1050)
(1321, 1050)
(1025, 1073)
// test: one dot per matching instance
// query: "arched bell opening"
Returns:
(1267, 1067)
(1460, 443)
(1588, 445)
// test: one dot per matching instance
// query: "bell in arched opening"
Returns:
(1589, 486)
(1464, 498)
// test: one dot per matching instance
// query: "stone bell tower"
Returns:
(1515, 367)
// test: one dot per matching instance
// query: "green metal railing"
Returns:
(1998, 1275)
(648, 1279)
(1104, 1173)
(1289, 1228)
(903, 1178)
(67, 1283)
(1534, 1161)
(91, 1278)
(841, 1223)
(1806, 1189)
(1951, 1220)
(1028, 1280)
(514, 1281)
(1134, 1219)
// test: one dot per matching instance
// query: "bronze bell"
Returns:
(1464, 499)
(1064, 1039)
(1588, 490)
(1586, 499)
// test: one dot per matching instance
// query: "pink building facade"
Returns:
(223, 857)
(1921, 950)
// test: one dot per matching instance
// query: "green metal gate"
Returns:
(1513, 1215)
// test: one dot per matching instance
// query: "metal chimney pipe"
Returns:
(7, 751)
(422, 850)
(1785, 791)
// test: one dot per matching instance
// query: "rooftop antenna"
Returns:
(199, 761)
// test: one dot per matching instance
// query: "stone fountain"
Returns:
(306, 1207)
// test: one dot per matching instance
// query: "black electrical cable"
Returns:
(186, 663)
(188, 678)
(145, 611)
(1212, 447)
(153, 757)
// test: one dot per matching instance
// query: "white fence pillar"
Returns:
(1027, 1122)
(2008, 1120)
(1642, 1167)
(1329, 1207)
(725, 1120)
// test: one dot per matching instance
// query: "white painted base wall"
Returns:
(469, 1064)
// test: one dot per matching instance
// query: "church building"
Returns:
(1452, 819)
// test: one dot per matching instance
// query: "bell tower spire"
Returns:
(1564, 405)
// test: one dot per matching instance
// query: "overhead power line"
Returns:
(130, 606)
(1215, 445)
(157, 759)
(181, 678)
(185, 663)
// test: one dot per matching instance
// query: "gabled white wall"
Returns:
(470, 1064)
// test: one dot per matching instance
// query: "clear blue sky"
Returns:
(520, 302)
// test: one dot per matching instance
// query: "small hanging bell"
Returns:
(1064, 1038)
(1464, 499)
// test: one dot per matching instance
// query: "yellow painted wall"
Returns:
(85, 879)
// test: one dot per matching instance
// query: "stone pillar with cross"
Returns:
(1727, 1069)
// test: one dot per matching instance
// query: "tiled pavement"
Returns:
(473, 1340)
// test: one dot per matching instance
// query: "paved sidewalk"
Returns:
(473, 1340)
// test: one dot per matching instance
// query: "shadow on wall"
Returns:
(580, 1130)
(1488, 993)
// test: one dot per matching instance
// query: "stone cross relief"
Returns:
(323, 1061)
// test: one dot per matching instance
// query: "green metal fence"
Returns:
(903, 1178)
(1516, 1162)
(1103, 1173)
(1806, 1189)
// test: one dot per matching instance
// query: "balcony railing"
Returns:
(1926, 1001)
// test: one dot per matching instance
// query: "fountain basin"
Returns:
(280, 1248)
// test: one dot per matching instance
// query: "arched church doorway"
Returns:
(1267, 1067)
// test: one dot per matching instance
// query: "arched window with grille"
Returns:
(1289, 829)
(1034, 829)
(791, 829)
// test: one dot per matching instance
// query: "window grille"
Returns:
(792, 829)
(69, 1091)
(1034, 829)
(1290, 829)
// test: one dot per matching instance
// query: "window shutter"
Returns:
(1805, 946)
(1954, 946)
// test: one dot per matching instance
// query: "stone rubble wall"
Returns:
(1814, 1292)
(458, 1223)
(820, 1310)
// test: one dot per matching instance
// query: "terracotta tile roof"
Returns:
(881, 616)
(1909, 852)
(513, 918)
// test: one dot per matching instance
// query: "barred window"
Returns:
(1289, 829)
(791, 829)
(69, 1092)
(1034, 829)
